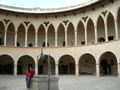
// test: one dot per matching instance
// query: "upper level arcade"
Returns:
(97, 21)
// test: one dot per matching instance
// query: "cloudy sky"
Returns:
(42, 3)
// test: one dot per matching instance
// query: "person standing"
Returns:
(29, 75)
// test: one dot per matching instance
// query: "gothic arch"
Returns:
(90, 32)
(100, 29)
(61, 35)
(31, 36)
(41, 35)
(118, 20)
(80, 33)
(111, 26)
(51, 35)
(21, 35)
(10, 34)
(70, 34)
(2, 32)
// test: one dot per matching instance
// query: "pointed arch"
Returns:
(41, 35)
(51, 35)
(80, 33)
(2, 32)
(111, 27)
(90, 32)
(31, 36)
(10, 35)
(70, 34)
(21, 36)
(118, 20)
(61, 35)
(100, 29)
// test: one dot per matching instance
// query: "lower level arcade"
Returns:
(66, 65)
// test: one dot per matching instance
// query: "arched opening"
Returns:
(61, 35)
(31, 36)
(87, 65)
(90, 32)
(70, 35)
(21, 36)
(10, 35)
(118, 20)
(41, 36)
(108, 64)
(23, 63)
(2, 33)
(111, 27)
(66, 65)
(80, 34)
(43, 65)
(51, 35)
(6, 65)
(100, 30)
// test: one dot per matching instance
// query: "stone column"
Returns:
(77, 69)
(96, 41)
(56, 69)
(36, 39)
(15, 69)
(75, 37)
(26, 38)
(46, 38)
(119, 70)
(56, 39)
(97, 69)
(85, 35)
(36, 69)
(15, 43)
(5, 38)
(106, 31)
(116, 29)
(66, 36)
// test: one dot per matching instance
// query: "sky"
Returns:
(42, 3)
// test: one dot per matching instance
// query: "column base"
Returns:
(97, 75)
(118, 75)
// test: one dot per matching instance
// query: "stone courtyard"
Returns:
(66, 83)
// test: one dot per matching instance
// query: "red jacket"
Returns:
(30, 73)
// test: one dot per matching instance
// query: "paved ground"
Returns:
(66, 83)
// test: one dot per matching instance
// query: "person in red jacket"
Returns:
(29, 75)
